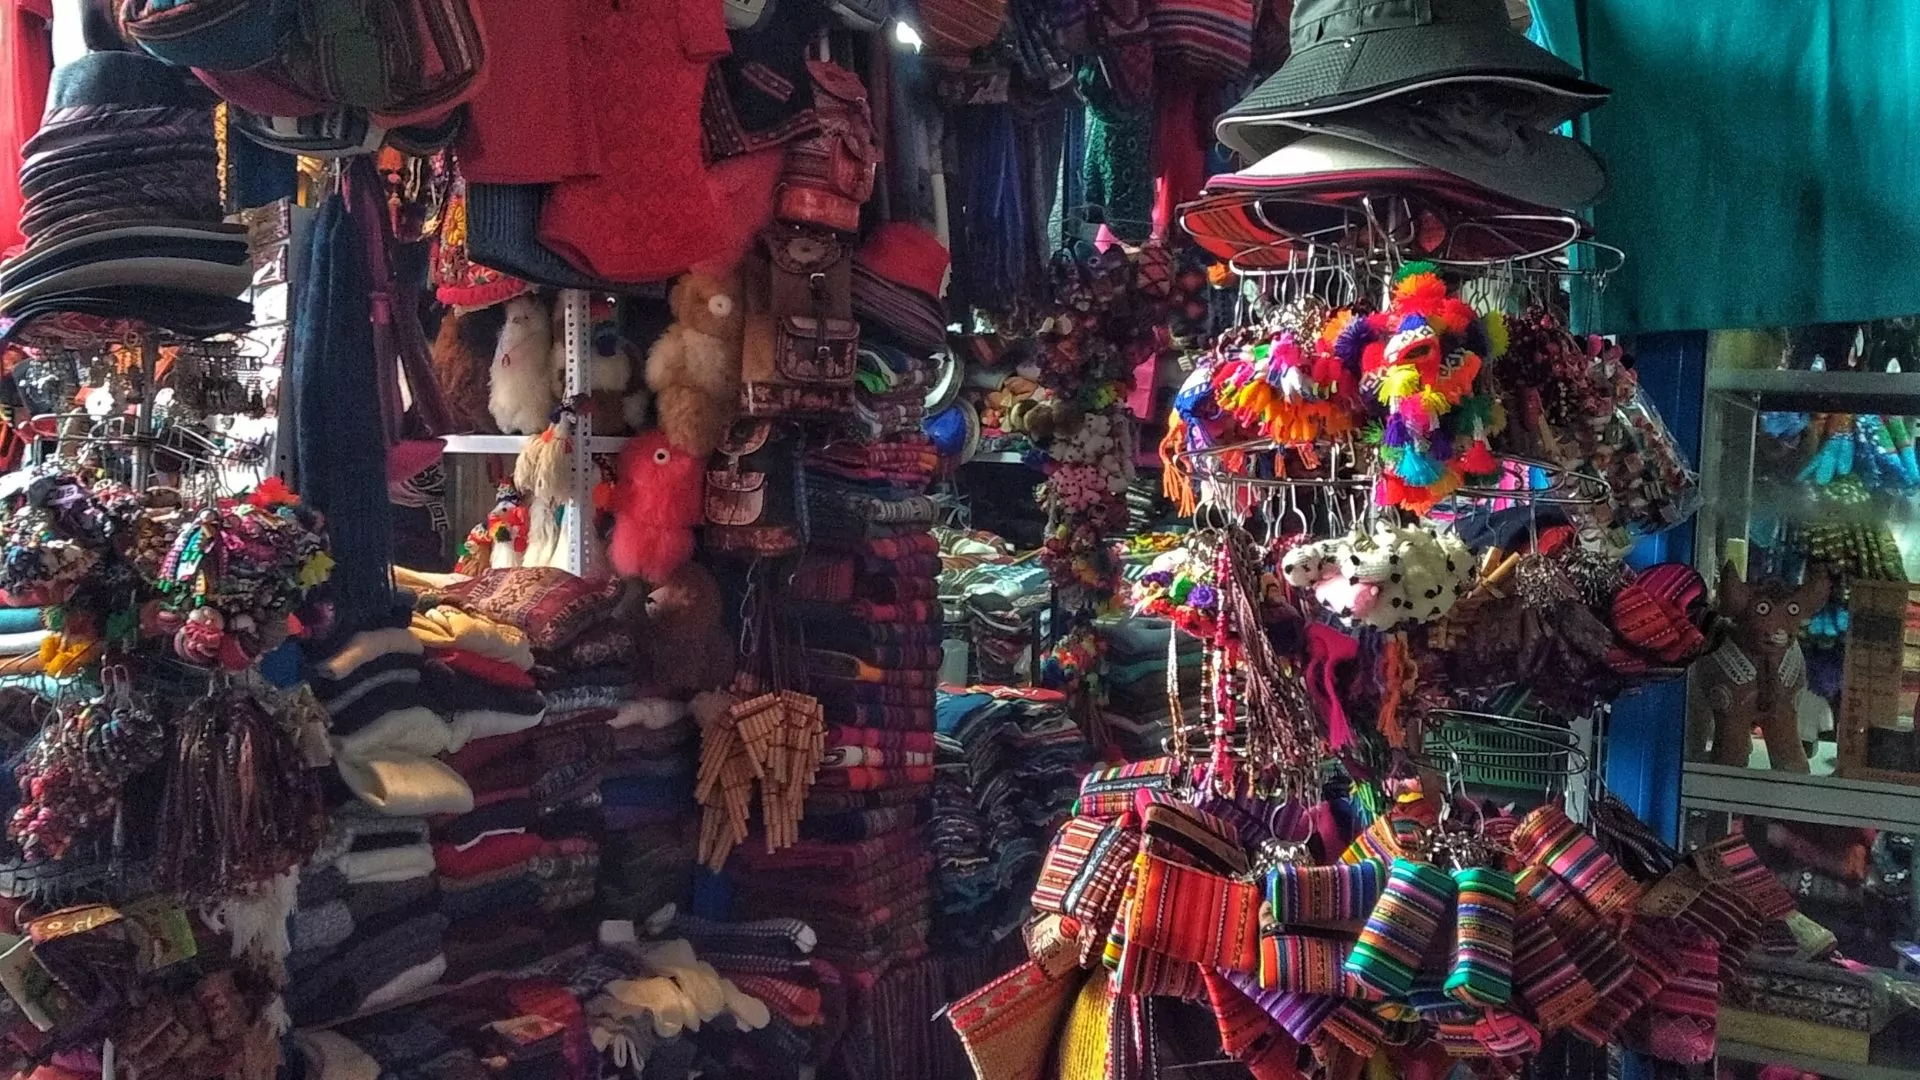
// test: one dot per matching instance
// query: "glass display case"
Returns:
(1800, 725)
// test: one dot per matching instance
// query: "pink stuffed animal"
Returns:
(657, 500)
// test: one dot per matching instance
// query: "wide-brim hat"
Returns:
(216, 242)
(86, 317)
(336, 133)
(1524, 163)
(124, 79)
(186, 275)
(1322, 184)
(1348, 54)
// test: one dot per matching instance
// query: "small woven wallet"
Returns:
(1318, 895)
(1190, 914)
(1086, 870)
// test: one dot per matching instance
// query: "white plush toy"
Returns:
(519, 390)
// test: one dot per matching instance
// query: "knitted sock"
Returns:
(1551, 839)
(1414, 903)
(1482, 972)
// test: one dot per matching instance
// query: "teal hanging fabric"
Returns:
(1762, 154)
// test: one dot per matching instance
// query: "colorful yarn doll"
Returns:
(1412, 907)
(1482, 971)
(1423, 366)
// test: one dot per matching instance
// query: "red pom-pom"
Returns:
(1478, 460)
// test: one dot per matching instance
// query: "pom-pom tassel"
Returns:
(1416, 469)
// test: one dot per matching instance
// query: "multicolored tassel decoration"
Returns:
(1412, 907)
(1482, 971)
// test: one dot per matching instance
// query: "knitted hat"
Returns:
(458, 281)
(897, 281)
(222, 35)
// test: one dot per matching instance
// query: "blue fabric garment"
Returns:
(22, 620)
(340, 451)
(1762, 157)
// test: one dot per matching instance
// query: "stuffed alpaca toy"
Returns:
(1755, 677)
(689, 647)
(462, 353)
(694, 369)
(657, 500)
(616, 388)
(519, 394)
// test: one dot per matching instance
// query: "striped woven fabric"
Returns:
(1590, 944)
(1544, 976)
(1655, 964)
(1550, 838)
(1249, 1035)
(1085, 870)
(1108, 793)
(1207, 40)
(1299, 1015)
(1187, 834)
(1383, 842)
(1482, 971)
(957, 27)
(1189, 914)
(1355, 1027)
(1731, 861)
(1681, 1018)
(1324, 894)
(1304, 961)
(1411, 909)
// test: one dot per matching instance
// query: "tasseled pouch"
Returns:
(1544, 976)
(1549, 838)
(1593, 946)
(1412, 907)
(1482, 971)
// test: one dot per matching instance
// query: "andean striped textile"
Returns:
(1086, 869)
(1249, 1035)
(1207, 40)
(1355, 1027)
(1544, 976)
(1190, 914)
(1299, 1015)
(1189, 835)
(1304, 960)
(1482, 971)
(1730, 861)
(1654, 966)
(1108, 793)
(1412, 908)
(1324, 894)
(1596, 952)
(1551, 839)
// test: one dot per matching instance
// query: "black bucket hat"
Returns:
(1349, 53)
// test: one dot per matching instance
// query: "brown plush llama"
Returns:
(1752, 679)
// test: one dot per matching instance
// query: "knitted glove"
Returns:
(750, 1011)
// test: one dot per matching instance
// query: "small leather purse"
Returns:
(800, 348)
(750, 507)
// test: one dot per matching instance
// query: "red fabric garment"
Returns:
(485, 668)
(26, 64)
(490, 854)
(1181, 135)
(533, 122)
(649, 214)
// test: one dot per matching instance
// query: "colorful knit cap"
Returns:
(458, 281)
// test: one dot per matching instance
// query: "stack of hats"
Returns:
(1447, 107)
(899, 275)
(1010, 763)
(122, 211)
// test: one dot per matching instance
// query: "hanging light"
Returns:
(905, 36)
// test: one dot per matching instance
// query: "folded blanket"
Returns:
(573, 699)
(647, 742)
(371, 899)
(860, 824)
(417, 731)
(447, 691)
(23, 642)
(853, 757)
(839, 802)
(487, 669)
(382, 685)
(449, 627)
(404, 785)
(920, 742)
(785, 938)
(356, 827)
(523, 868)
(491, 853)
(483, 945)
(513, 813)
(869, 778)
(319, 884)
(330, 1055)
(321, 927)
(519, 893)
(607, 643)
(386, 864)
(365, 646)
(406, 984)
(470, 724)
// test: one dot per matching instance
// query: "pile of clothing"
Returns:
(23, 629)
(1138, 714)
(1010, 763)
(869, 901)
(772, 959)
(367, 930)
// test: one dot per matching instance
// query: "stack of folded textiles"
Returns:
(385, 736)
(1010, 763)
(367, 930)
(23, 630)
(772, 959)
(646, 800)
(868, 901)
(1137, 711)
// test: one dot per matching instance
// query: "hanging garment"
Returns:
(647, 216)
(533, 123)
(340, 449)
(26, 64)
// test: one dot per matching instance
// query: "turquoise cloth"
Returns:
(1763, 157)
(19, 620)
